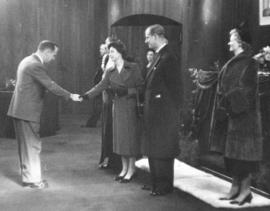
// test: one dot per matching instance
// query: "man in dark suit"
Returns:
(26, 106)
(162, 101)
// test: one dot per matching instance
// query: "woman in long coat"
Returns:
(124, 81)
(237, 88)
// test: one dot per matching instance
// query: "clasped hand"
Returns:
(84, 97)
(75, 97)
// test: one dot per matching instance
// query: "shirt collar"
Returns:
(160, 47)
(40, 58)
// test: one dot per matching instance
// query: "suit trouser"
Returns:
(161, 171)
(29, 147)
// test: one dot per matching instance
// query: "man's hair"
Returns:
(156, 29)
(47, 44)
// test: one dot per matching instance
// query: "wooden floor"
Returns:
(69, 161)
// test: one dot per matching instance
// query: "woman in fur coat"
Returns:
(237, 96)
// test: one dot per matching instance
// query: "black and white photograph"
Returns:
(129, 105)
(264, 12)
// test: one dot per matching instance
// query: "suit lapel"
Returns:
(124, 75)
(153, 66)
(36, 58)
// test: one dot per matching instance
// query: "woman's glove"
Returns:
(84, 97)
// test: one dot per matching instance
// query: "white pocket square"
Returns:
(158, 96)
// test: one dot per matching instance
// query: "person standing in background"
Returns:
(237, 97)
(26, 106)
(107, 157)
(150, 55)
(97, 101)
(162, 101)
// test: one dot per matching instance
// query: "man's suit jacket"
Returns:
(32, 82)
(163, 87)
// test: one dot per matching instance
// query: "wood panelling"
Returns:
(206, 24)
(77, 26)
(177, 10)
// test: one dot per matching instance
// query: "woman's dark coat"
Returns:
(125, 120)
(237, 96)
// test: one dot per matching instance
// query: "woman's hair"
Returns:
(111, 39)
(150, 49)
(119, 46)
(240, 38)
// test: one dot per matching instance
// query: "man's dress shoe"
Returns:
(36, 185)
(146, 187)
(161, 192)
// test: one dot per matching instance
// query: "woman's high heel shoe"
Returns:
(125, 180)
(247, 199)
(104, 164)
(229, 198)
(119, 178)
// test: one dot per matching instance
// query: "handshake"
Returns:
(114, 91)
(78, 98)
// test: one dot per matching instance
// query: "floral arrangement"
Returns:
(263, 58)
(263, 55)
(204, 79)
(10, 84)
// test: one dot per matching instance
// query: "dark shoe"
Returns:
(247, 199)
(118, 178)
(125, 180)
(162, 192)
(37, 185)
(146, 187)
(155, 193)
(103, 166)
(229, 198)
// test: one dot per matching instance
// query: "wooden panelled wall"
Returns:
(206, 24)
(77, 26)
(177, 10)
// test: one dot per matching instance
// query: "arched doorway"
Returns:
(131, 29)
